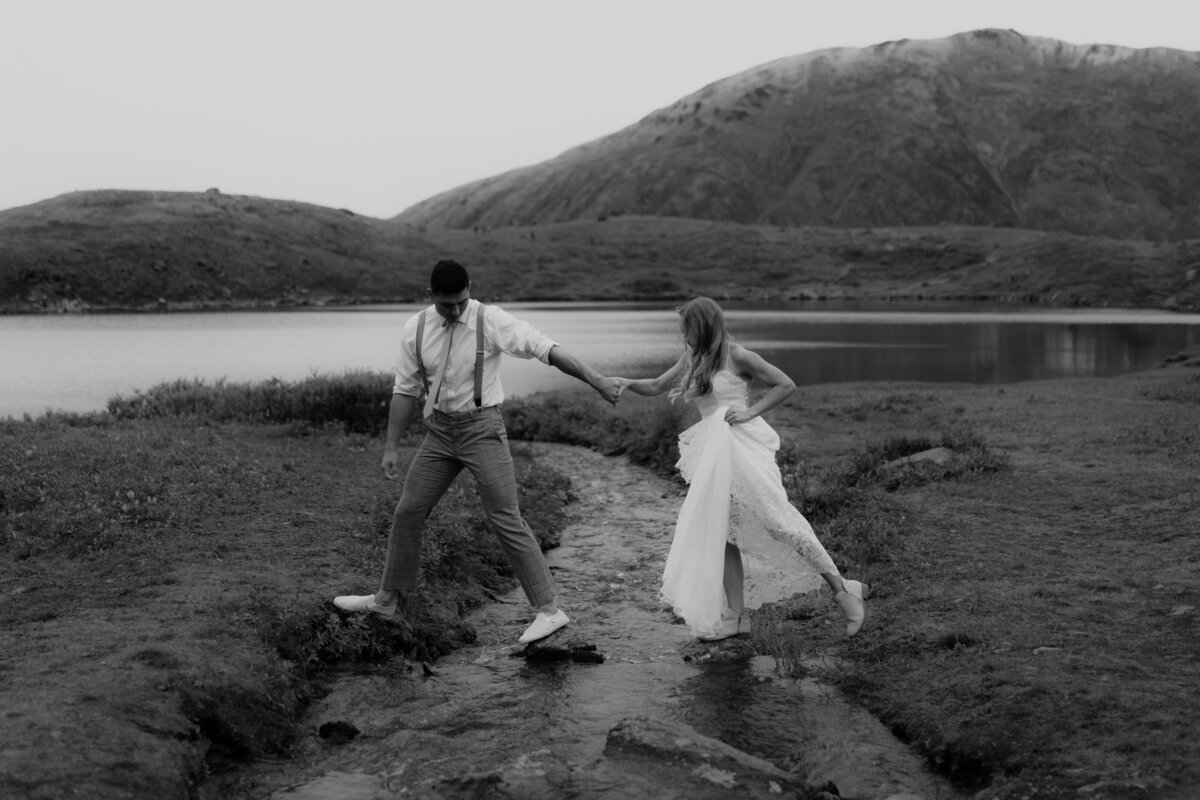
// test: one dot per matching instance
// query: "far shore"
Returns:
(807, 298)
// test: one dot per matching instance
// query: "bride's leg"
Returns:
(733, 579)
(787, 524)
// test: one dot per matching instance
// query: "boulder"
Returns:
(696, 766)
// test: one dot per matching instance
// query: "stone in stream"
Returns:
(667, 753)
(642, 757)
(735, 648)
(337, 732)
(562, 645)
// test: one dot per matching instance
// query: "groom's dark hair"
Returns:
(448, 277)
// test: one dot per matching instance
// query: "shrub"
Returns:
(647, 439)
(356, 401)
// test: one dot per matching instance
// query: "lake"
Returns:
(77, 362)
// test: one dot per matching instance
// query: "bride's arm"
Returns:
(780, 386)
(650, 387)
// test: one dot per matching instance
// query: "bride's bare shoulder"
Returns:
(741, 356)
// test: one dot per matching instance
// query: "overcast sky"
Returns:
(373, 105)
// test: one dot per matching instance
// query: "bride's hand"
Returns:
(622, 385)
(737, 417)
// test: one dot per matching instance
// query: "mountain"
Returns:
(987, 128)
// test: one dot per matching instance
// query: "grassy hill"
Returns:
(144, 249)
(157, 250)
(983, 128)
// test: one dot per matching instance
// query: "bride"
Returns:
(735, 505)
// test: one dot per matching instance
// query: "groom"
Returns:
(450, 352)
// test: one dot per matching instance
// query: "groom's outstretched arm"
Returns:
(580, 369)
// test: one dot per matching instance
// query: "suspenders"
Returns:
(478, 354)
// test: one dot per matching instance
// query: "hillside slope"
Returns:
(983, 128)
(144, 249)
(156, 250)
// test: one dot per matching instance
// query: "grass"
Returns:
(82, 486)
(177, 571)
(1030, 634)
(1032, 631)
(356, 402)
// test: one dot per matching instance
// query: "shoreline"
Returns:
(348, 304)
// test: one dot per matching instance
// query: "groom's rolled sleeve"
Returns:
(408, 374)
(518, 338)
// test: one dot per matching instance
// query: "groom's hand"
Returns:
(391, 458)
(609, 389)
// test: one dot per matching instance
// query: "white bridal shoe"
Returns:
(364, 602)
(731, 625)
(851, 600)
(543, 625)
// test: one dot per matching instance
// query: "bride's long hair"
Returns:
(706, 345)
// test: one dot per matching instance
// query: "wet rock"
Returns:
(587, 655)
(696, 766)
(562, 646)
(337, 732)
(342, 785)
(482, 785)
(735, 648)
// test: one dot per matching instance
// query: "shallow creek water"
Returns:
(485, 722)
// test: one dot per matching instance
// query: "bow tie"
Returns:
(446, 323)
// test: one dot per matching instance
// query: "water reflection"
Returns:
(759, 714)
(980, 352)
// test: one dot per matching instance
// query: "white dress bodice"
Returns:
(728, 389)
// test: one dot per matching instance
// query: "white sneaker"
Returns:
(543, 625)
(364, 602)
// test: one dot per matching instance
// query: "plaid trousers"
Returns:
(478, 441)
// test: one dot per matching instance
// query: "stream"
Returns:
(640, 709)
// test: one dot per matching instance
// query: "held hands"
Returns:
(610, 389)
(613, 388)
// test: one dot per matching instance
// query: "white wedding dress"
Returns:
(735, 494)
